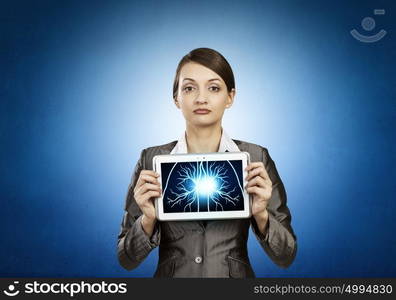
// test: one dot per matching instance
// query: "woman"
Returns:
(203, 88)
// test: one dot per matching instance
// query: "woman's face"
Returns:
(202, 95)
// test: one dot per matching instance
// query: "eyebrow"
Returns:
(208, 80)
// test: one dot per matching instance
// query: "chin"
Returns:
(204, 124)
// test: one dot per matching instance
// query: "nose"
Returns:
(201, 100)
(201, 97)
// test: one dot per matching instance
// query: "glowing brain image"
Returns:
(202, 186)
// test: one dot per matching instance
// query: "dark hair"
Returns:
(211, 59)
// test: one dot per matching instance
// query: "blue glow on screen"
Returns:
(202, 186)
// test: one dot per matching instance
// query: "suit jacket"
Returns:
(215, 249)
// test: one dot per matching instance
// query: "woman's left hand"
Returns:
(260, 185)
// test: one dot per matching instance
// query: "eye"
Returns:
(188, 89)
(214, 88)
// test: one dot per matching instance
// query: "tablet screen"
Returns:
(203, 186)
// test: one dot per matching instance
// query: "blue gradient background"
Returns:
(85, 85)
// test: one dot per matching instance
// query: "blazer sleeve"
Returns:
(280, 242)
(133, 244)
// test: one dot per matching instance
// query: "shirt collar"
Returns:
(226, 144)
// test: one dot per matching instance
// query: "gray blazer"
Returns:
(215, 249)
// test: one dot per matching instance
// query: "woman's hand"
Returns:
(147, 187)
(260, 185)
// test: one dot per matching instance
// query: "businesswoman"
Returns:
(203, 89)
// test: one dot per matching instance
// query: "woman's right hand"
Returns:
(147, 188)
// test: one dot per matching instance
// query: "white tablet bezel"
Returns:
(244, 156)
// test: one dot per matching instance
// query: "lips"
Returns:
(202, 111)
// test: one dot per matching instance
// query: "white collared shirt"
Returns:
(226, 144)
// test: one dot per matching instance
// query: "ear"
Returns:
(230, 98)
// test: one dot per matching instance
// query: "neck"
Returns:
(203, 139)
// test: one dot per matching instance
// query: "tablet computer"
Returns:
(202, 186)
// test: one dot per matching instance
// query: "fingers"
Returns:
(145, 193)
(258, 181)
(144, 179)
(257, 169)
(147, 187)
(144, 188)
(148, 195)
(253, 165)
(258, 185)
(254, 190)
(263, 193)
(146, 176)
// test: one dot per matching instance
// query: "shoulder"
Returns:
(248, 145)
(257, 152)
(147, 154)
(161, 148)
